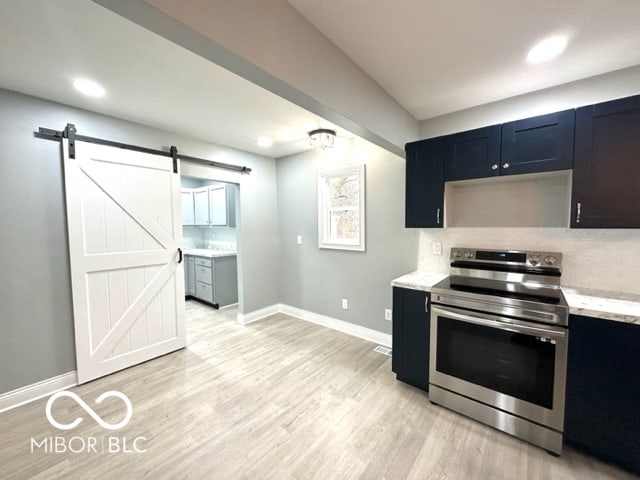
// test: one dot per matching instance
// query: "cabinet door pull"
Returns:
(438, 216)
(505, 165)
(426, 304)
(578, 207)
(179, 255)
(494, 166)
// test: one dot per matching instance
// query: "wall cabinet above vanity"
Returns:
(188, 210)
(604, 162)
(212, 205)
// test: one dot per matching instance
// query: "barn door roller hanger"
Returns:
(70, 133)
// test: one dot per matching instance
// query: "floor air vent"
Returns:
(383, 350)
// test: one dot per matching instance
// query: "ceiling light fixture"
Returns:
(89, 87)
(264, 142)
(547, 49)
(322, 138)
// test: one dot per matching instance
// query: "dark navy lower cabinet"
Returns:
(538, 144)
(602, 412)
(411, 321)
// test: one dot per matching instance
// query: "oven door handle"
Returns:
(488, 322)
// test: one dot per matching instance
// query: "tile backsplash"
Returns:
(192, 237)
(209, 237)
(598, 259)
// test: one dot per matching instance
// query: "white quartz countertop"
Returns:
(419, 280)
(620, 307)
(209, 253)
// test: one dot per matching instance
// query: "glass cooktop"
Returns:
(516, 291)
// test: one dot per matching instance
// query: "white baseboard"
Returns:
(35, 391)
(246, 318)
(231, 305)
(339, 325)
(323, 320)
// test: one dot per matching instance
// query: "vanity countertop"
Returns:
(209, 253)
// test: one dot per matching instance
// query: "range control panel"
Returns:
(510, 257)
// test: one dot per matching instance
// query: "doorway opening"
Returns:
(210, 210)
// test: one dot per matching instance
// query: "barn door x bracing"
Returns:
(123, 214)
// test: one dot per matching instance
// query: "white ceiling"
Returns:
(439, 56)
(433, 56)
(44, 45)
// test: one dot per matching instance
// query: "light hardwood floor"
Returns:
(277, 399)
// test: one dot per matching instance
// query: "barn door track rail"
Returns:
(70, 133)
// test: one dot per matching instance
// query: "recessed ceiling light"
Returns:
(547, 49)
(89, 87)
(264, 142)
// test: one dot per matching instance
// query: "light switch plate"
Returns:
(436, 248)
(387, 314)
(299, 239)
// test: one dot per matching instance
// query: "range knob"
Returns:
(468, 254)
(457, 253)
(534, 260)
(550, 260)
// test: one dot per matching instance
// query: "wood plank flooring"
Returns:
(277, 399)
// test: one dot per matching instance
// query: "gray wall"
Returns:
(317, 279)
(190, 182)
(608, 86)
(36, 322)
(534, 200)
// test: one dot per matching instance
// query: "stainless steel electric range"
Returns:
(499, 342)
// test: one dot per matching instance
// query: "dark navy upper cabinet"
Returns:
(410, 341)
(602, 408)
(538, 144)
(424, 187)
(606, 166)
(472, 154)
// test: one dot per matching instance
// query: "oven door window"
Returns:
(515, 364)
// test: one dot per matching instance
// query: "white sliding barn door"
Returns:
(124, 221)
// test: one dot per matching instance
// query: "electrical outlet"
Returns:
(299, 239)
(345, 304)
(387, 314)
(436, 248)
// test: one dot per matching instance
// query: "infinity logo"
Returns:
(89, 410)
